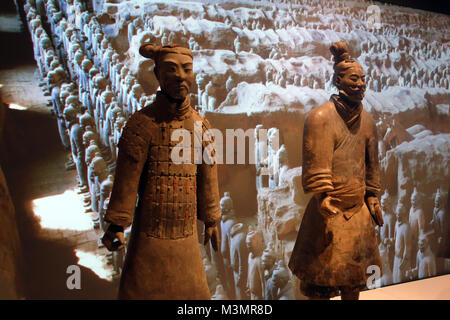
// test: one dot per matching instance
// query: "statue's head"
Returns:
(72, 100)
(401, 212)
(124, 71)
(438, 199)
(92, 151)
(254, 241)
(260, 132)
(268, 257)
(46, 43)
(70, 115)
(100, 82)
(115, 109)
(348, 76)
(53, 77)
(423, 242)
(87, 120)
(89, 136)
(226, 204)
(79, 56)
(414, 198)
(120, 123)
(173, 68)
(107, 185)
(86, 65)
(282, 155)
(280, 275)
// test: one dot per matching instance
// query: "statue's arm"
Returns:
(318, 147)
(225, 248)
(243, 261)
(208, 194)
(133, 148)
(208, 188)
(373, 186)
(406, 240)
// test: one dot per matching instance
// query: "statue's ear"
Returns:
(156, 72)
(337, 81)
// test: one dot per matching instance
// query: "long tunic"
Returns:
(163, 259)
(340, 159)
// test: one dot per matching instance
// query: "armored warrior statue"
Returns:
(255, 279)
(262, 173)
(268, 259)
(438, 222)
(283, 288)
(239, 259)
(440, 226)
(227, 222)
(78, 149)
(402, 237)
(273, 146)
(416, 223)
(337, 241)
(163, 259)
(425, 260)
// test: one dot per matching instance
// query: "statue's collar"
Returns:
(172, 109)
(350, 115)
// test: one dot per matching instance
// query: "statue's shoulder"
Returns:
(198, 117)
(367, 115)
(368, 120)
(322, 114)
(141, 122)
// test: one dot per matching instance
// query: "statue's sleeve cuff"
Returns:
(119, 218)
(372, 191)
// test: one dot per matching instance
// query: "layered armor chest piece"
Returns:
(168, 201)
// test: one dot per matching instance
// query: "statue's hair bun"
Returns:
(148, 50)
(340, 51)
(155, 52)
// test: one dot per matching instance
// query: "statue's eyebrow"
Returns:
(169, 62)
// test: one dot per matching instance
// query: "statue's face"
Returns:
(414, 199)
(384, 203)
(175, 75)
(267, 260)
(422, 244)
(278, 278)
(400, 212)
(225, 207)
(353, 83)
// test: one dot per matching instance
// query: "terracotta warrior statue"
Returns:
(337, 242)
(163, 257)
(402, 245)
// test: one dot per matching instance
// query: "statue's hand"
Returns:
(375, 209)
(327, 206)
(109, 238)
(212, 233)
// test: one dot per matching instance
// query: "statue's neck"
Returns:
(174, 108)
(345, 99)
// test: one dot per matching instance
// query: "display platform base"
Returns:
(436, 288)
